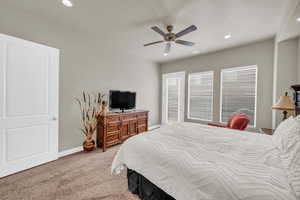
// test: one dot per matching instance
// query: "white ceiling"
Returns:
(290, 26)
(126, 23)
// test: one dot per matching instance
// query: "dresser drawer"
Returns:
(113, 126)
(142, 129)
(142, 121)
(112, 142)
(113, 119)
(142, 115)
(112, 137)
(113, 132)
(129, 117)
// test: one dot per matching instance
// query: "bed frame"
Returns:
(139, 185)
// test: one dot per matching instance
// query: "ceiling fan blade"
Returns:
(168, 48)
(152, 43)
(186, 43)
(159, 31)
(186, 31)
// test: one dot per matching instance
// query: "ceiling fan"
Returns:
(172, 37)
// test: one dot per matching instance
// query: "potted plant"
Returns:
(90, 109)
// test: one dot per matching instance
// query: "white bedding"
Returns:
(198, 162)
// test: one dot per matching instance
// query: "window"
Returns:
(173, 85)
(238, 92)
(200, 96)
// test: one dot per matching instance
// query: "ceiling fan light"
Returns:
(67, 3)
(228, 36)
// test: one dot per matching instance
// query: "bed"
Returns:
(188, 161)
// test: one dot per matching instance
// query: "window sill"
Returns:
(198, 119)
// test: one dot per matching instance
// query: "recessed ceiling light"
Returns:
(195, 52)
(67, 3)
(166, 54)
(228, 36)
(298, 19)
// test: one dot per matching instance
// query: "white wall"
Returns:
(298, 60)
(287, 71)
(91, 64)
(260, 54)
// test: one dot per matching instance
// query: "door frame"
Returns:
(181, 75)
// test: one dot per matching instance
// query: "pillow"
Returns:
(281, 131)
(284, 125)
(290, 136)
(291, 155)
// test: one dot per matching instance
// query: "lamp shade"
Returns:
(284, 103)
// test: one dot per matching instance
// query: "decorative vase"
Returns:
(89, 144)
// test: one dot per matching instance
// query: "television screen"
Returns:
(122, 100)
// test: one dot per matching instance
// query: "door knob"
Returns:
(54, 118)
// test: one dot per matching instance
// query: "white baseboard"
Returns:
(154, 127)
(70, 151)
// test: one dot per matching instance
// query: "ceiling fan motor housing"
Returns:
(170, 36)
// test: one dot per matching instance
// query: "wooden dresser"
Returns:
(115, 128)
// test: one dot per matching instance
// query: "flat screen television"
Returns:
(121, 100)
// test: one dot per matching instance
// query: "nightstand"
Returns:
(266, 131)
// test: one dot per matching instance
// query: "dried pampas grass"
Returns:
(89, 106)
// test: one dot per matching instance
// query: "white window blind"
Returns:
(238, 92)
(200, 96)
(173, 85)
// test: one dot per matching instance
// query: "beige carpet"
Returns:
(81, 176)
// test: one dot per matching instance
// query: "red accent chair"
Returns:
(236, 121)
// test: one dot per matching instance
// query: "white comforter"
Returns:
(198, 162)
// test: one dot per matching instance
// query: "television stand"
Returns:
(115, 128)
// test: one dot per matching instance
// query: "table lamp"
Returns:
(286, 104)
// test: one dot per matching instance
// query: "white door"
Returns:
(173, 97)
(28, 104)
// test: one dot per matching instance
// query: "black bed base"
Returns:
(139, 185)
